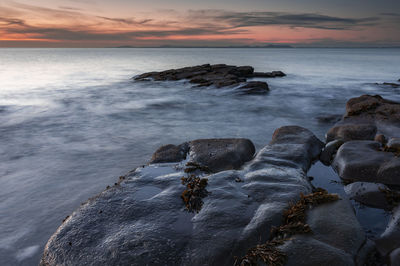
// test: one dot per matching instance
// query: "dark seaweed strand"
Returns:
(294, 222)
(195, 190)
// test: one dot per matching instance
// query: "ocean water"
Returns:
(72, 120)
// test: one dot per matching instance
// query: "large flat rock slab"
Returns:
(143, 220)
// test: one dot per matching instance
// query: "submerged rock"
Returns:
(143, 220)
(391, 84)
(220, 75)
(254, 87)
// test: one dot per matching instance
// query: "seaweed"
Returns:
(194, 193)
(267, 252)
(293, 222)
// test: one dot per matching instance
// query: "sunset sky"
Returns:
(101, 23)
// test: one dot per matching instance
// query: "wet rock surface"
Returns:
(143, 221)
(329, 151)
(219, 75)
(370, 194)
(368, 118)
(365, 161)
(390, 239)
(348, 132)
(370, 154)
(221, 154)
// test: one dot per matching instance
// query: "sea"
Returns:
(73, 120)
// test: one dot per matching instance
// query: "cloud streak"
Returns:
(68, 24)
(306, 20)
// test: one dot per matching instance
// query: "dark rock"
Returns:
(329, 151)
(370, 194)
(254, 87)
(298, 135)
(170, 153)
(364, 161)
(348, 132)
(395, 256)
(328, 119)
(390, 239)
(393, 145)
(381, 139)
(221, 154)
(144, 221)
(220, 75)
(393, 85)
(326, 246)
(272, 74)
(373, 108)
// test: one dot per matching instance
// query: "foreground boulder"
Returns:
(370, 194)
(366, 154)
(220, 75)
(365, 161)
(145, 219)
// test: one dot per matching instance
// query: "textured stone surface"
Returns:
(348, 132)
(170, 153)
(390, 239)
(143, 221)
(364, 161)
(395, 257)
(337, 238)
(220, 75)
(221, 154)
(254, 87)
(369, 194)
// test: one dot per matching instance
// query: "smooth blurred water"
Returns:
(72, 120)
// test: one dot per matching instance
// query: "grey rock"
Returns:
(364, 161)
(290, 137)
(170, 153)
(390, 239)
(143, 221)
(348, 132)
(329, 151)
(340, 214)
(305, 251)
(221, 154)
(393, 144)
(395, 257)
(369, 194)
(336, 239)
(254, 87)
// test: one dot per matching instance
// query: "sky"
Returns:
(154, 23)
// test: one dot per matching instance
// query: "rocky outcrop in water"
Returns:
(220, 75)
(148, 219)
